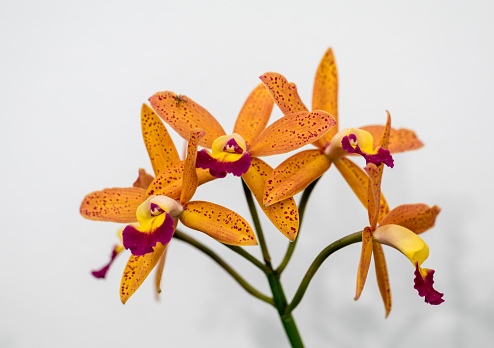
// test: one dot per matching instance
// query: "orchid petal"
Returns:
(416, 217)
(283, 92)
(359, 182)
(113, 204)
(101, 273)
(365, 258)
(183, 115)
(292, 132)
(325, 94)
(137, 270)
(159, 273)
(424, 285)
(254, 115)
(294, 175)
(373, 193)
(143, 180)
(382, 276)
(190, 179)
(404, 240)
(169, 182)
(283, 214)
(218, 222)
(400, 140)
(159, 144)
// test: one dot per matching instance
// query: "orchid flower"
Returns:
(120, 204)
(298, 171)
(238, 153)
(158, 217)
(399, 229)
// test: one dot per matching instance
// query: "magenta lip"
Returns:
(219, 169)
(382, 155)
(425, 287)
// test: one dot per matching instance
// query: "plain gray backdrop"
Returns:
(73, 77)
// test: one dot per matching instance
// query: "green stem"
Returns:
(249, 288)
(242, 252)
(301, 210)
(286, 317)
(323, 255)
(257, 224)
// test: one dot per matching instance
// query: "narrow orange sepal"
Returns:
(416, 217)
(283, 92)
(159, 144)
(292, 132)
(183, 115)
(365, 258)
(382, 276)
(113, 204)
(254, 115)
(325, 94)
(283, 214)
(218, 222)
(190, 178)
(294, 175)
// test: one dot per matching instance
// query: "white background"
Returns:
(73, 77)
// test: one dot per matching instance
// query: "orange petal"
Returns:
(183, 115)
(169, 182)
(143, 180)
(137, 270)
(382, 276)
(400, 140)
(284, 214)
(374, 193)
(283, 92)
(416, 217)
(292, 132)
(161, 150)
(384, 138)
(113, 204)
(218, 222)
(365, 258)
(325, 94)
(359, 182)
(294, 175)
(254, 115)
(190, 179)
(159, 273)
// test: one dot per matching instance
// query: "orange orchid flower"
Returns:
(398, 228)
(158, 217)
(120, 204)
(238, 153)
(298, 171)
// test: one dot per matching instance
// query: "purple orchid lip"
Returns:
(425, 287)
(156, 209)
(101, 273)
(141, 243)
(382, 155)
(219, 169)
(232, 146)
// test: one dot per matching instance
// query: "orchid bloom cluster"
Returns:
(154, 205)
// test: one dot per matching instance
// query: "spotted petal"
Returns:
(183, 115)
(137, 270)
(218, 222)
(400, 140)
(113, 204)
(325, 94)
(283, 214)
(190, 178)
(169, 182)
(382, 276)
(292, 132)
(294, 175)
(254, 115)
(365, 258)
(416, 217)
(159, 144)
(283, 92)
